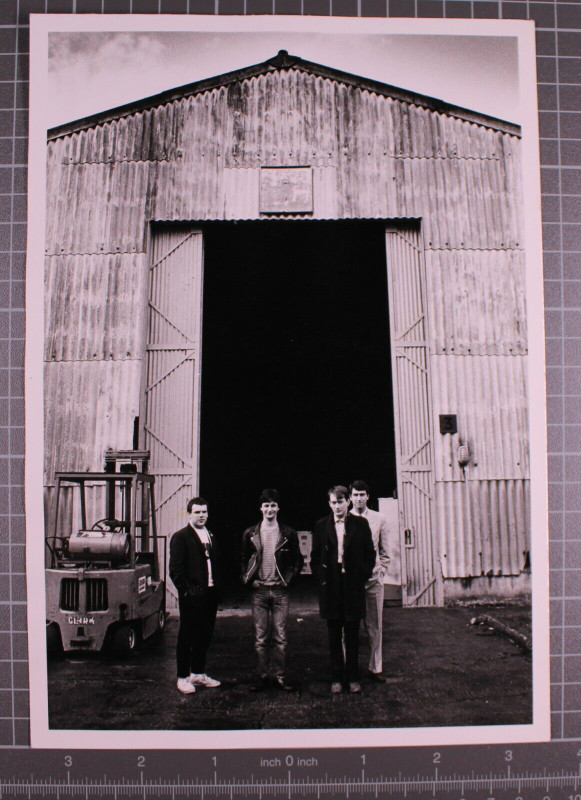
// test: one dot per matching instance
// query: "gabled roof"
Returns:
(284, 61)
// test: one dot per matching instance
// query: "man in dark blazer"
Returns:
(342, 560)
(194, 567)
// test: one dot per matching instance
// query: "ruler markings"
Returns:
(108, 787)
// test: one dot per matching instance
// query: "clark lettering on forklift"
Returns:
(194, 567)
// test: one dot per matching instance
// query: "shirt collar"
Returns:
(363, 513)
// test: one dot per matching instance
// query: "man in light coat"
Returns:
(359, 493)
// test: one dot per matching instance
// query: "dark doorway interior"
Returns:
(296, 370)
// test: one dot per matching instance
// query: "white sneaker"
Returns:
(203, 680)
(185, 687)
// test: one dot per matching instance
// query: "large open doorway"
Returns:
(296, 370)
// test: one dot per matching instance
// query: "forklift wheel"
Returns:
(54, 643)
(123, 640)
(161, 618)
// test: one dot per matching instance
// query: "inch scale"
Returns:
(474, 787)
(486, 772)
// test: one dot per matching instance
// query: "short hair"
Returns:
(269, 496)
(196, 501)
(359, 486)
(339, 491)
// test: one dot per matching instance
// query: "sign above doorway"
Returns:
(286, 190)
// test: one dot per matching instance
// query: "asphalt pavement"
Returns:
(440, 670)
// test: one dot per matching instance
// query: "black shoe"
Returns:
(376, 677)
(282, 683)
(260, 684)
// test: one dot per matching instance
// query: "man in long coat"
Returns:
(342, 560)
(194, 567)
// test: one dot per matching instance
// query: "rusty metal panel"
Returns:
(107, 203)
(477, 302)
(390, 159)
(464, 202)
(89, 407)
(433, 134)
(489, 396)
(94, 307)
(148, 136)
(241, 193)
(172, 391)
(411, 389)
(483, 527)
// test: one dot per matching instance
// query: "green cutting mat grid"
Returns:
(559, 71)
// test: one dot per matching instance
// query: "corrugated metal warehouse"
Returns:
(302, 222)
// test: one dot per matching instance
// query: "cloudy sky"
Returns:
(95, 71)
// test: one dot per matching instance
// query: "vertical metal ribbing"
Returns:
(411, 401)
(171, 427)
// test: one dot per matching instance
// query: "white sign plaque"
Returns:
(286, 190)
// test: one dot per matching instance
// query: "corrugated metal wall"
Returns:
(199, 158)
(375, 157)
(92, 372)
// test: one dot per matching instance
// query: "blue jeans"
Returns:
(270, 613)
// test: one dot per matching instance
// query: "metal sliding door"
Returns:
(173, 372)
(410, 370)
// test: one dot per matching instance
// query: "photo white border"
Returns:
(43, 737)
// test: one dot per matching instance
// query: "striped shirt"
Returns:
(267, 573)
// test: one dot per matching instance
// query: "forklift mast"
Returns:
(105, 586)
(125, 473)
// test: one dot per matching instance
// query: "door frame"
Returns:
(188, 228)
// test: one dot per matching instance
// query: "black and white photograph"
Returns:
(286, 458)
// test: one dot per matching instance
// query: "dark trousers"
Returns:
(344, 663)
(344, 667)
(197, 618)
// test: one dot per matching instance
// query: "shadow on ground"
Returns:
(440, 669)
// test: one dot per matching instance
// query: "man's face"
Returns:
(198, 516)
(269, 510)
(359, 498)
(339, 506)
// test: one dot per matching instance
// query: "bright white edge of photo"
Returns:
(484, 65)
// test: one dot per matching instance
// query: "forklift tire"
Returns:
(161, 618)
(54, 642)
(123, 640)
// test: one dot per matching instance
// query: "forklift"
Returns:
(105, 587)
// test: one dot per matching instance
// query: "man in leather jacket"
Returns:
(271, 558)
(194, 567)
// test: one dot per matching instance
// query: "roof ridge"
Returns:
(282, 60)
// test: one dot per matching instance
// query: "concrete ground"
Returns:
(440, 670)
